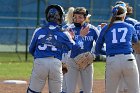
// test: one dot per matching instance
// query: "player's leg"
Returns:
(87, 79)
(71, 76)
(64, 87)
(138, 63)
(79, 84)
(38, 77)
(122, 88)
(55, 76)
(131, 75)
(113, 74)
(65, 58)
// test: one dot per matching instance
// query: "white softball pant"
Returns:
(46, 69)
(122, 88)
(122, 84)
(73, 74)
(126, 66)
(138, 63)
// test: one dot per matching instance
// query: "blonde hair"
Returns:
(69, 15)
(88, 18)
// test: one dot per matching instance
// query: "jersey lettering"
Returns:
(42, 47)
(81, 44)
(45, 45)
(122, 39)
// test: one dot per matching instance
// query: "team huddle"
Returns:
(64, 53)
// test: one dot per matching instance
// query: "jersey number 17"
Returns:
(122, 39)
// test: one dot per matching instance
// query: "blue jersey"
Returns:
(118, 39)
(130, 20)
(137, 27)
(49, 40)
(86, 42)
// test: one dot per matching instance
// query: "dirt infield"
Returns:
(99, 87)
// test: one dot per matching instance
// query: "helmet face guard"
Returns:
(54, 13)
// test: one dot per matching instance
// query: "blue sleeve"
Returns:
(96, 35)
(69, 43)
(134, 36)
(33, 44)
(99, 44)
(95, 32)
(67, 47)
(137, 28)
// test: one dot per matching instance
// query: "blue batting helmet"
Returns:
(54, 13)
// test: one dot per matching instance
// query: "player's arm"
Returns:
(69, 43)
(137, 28)
(134, 35)
(33, 43)
(96, 34)
(99, 44)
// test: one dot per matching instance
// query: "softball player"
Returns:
(69, 21)
(85, 35)
(118, 36)
(122, 86)
(137, 55)
(47, 45)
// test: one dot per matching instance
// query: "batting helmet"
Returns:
(54, 13)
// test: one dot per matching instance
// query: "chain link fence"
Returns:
(19, 18)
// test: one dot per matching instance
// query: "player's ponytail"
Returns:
(113, 18)
(118, 13)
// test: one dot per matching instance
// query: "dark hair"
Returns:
(81, 10)
(128, 7)
(129, 10)
(118, 12)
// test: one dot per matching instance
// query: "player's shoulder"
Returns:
(37, 30)
(129, 26)
(137, 26)
(93, 28)
(131, 21)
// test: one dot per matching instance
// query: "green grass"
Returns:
(15, 70)
(22, 70)
(99, 70)
(13, 57)
(13, 66)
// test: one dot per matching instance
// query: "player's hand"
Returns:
(64, 68)
(84, 31)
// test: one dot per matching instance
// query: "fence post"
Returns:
(38, 12)
(26, 47)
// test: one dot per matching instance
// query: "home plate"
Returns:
(15, 82)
